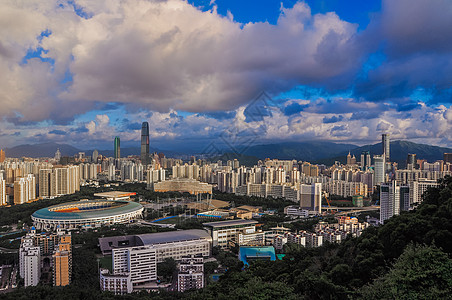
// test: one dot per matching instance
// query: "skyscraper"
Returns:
(385, 143)
(58, 155)
(365, 160)
(62, 262)
(95, 155)
(2, 190)
(45, 179)
(447, 158)
(379, 169)
(117, 148)
(145, 143)
(393, 199)
(2, 155)
(411, 161)
(311, 197)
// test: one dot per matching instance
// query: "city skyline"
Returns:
(229, 149)
(192, 77)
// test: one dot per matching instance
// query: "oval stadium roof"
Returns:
(118, 209)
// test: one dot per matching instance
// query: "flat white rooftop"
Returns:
(229, 223)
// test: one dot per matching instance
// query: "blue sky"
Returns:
(81, 72)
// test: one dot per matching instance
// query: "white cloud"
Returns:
(162, 55)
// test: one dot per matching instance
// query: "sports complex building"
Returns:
(86, 213)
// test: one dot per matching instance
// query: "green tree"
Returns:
(167, 268)
(421, 272)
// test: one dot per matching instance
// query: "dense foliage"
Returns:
(266, 203)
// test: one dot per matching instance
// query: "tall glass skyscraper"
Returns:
(145, 143)
(365, 160)
(117, 148)
(385, 144)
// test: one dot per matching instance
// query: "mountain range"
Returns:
(49, 149)
(328, 152)
(312, 151)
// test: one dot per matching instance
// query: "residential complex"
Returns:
(37, 247)
(394, 198)
(191, 273)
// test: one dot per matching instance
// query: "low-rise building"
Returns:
(225, 233)
(251, 239)
(296, 211)
(140, 262)
(191, 273)
(118, 284)
(172, 244)
(312, 239)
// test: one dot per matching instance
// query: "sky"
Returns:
(224, 73)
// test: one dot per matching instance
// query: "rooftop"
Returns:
(250, 208)
(53, 213)
(254, 253)
(173, 236)
(230, 223)
(107, 243)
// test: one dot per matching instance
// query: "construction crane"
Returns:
(325, 195)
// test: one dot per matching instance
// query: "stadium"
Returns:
(86, 213)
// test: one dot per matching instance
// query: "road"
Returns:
(355, 210)
(7, 250)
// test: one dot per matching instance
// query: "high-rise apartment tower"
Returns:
(117, 148)
(145, 143)
(385, 143)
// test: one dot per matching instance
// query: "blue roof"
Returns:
(250, 253)
(118, 208)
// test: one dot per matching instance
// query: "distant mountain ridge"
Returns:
(312, 151)
(49, 149)
(329, 152)
(307, 151)
(399, 151)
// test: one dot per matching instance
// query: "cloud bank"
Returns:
(61, 61)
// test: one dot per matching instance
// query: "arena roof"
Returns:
(118, 208)
(173, 236)
(108, 243)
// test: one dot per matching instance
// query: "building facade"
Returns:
(140, 262)
(226, 233)
(393, 199)
(191, 273)
(118, 284)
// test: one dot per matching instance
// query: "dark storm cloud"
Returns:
(294, 108)
(417, 26)
(416, 39)
(333, 119)
(219, 115)
(57, 132)
(80, 129)
(364, 115)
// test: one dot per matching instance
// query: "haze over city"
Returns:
(83, 72)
